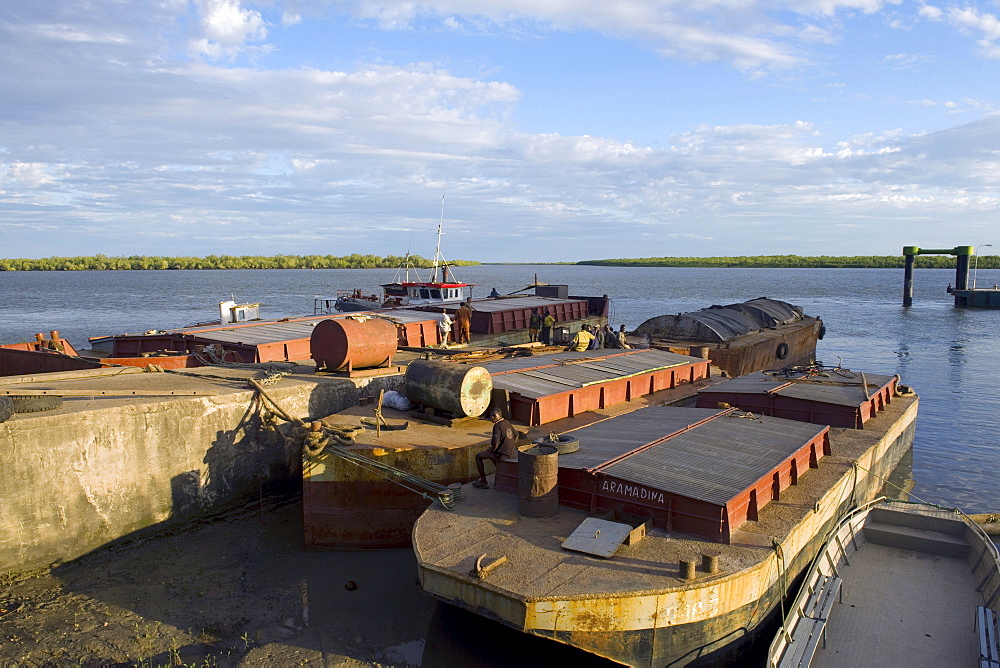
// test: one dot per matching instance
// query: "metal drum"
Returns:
(458, 389)
(537, 480)
(342, 343)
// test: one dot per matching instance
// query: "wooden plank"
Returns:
(110, 393)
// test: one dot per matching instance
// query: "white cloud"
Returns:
(748, 34)
(119, 139)
(227, 28)
(25, 175)
(969, 20)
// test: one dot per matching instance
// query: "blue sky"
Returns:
(557, 130)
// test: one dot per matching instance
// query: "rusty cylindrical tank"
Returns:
(537, 480)
(458, 389)
(339, 343)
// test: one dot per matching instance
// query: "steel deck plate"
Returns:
(598, 537)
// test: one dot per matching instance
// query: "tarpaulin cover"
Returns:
(718, 324)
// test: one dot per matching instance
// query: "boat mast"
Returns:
(437, 252)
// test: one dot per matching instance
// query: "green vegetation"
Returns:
(102, 262)
(796, 262)
(355, 261)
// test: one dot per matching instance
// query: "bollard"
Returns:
(687, 567)
(710, 562)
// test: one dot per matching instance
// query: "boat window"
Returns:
(435, 294)
(424, 293)
(414, 293)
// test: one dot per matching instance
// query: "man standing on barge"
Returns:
(547, 323)
(463, 318)
(444, 323)
(503, 446)
(534, 324)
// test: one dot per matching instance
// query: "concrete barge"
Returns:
(129, 449)
(649, 604)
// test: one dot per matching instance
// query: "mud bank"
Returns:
(233, 590)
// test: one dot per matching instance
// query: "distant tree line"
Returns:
(104, 262)
(797, 261)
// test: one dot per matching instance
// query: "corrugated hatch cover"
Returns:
(715, 461)
(701, 471)
(542, 376)
(833, 399)
(549, 387)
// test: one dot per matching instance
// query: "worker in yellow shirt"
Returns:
(582, 340)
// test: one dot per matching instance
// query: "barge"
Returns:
(495, 322)
(740, 338)
(687, 528)
(347, 506)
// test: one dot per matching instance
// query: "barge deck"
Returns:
(636, 608)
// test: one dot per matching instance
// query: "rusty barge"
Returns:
(351, 506)
(495, 322)
(672, 534)
(739, 338)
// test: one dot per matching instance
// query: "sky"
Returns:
(542, 130)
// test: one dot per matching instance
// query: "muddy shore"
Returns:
(237, 589)
(228, 591)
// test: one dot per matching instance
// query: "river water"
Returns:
(949, 356)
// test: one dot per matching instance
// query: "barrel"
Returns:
(699, 351)
(458, 389)
(339, 343)
(537, 480)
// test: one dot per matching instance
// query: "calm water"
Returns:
(948, 355)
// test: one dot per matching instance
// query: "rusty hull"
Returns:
(756, 351)
(346, 507)
(634, 608)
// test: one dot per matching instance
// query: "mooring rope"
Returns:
(318, 438)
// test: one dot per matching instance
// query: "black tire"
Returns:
(782, 351)
(6, 409)
(564, 444)
(35, 404)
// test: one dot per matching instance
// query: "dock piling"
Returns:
(962, 254)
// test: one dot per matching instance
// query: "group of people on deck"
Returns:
(540, 324)
(594, 337)
(463, 323)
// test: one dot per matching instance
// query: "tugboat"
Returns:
(438, 291)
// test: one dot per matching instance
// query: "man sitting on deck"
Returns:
(582, 340)
(503, 446)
